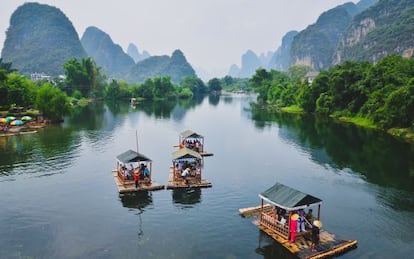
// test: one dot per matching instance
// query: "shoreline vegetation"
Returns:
(378, 96)
(405, 134)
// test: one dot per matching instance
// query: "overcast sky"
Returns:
(213, 34)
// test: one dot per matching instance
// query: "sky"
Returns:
(212, 34)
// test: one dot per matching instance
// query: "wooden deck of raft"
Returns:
(130, 187)
(329, 245)
(180, 184)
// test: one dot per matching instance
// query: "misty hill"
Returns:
(385, 28)
(175, 66)
(281, 58)
(250, 62)
(134, 53)
(108, 55)
(315, 45)
(40, 38)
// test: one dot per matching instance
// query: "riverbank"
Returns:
(405, 134)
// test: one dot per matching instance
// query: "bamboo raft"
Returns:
(178, 184)
(129, 186)
(329, 244)
(206, 154)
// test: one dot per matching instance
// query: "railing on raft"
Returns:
(274, 224)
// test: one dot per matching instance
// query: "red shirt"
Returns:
(136, 176)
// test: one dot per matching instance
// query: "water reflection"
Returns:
(377, 156)
(138, 200)
(214, 99)
(268, 248)
(47, 152)
(90, 117)
(186, 197)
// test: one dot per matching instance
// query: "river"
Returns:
(58, 198)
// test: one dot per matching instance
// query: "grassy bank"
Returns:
(405, 134)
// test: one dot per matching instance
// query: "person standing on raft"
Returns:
(293, 227)
(136, 178)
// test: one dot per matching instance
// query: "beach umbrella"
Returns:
(17, 123)
(10, 118)
(26, 118)
(3, 120)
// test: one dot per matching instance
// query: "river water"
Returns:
(58, 198)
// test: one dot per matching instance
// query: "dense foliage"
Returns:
(233, 84)
(156, 88)
(382, 93)
(17, 90)
(83, 75)
(52, 102)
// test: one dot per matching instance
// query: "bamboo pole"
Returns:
(319, 212)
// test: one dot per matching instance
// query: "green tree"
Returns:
(162, 87)
(261, 82)
(16, 90)
(52, 102)
(298, 72)
(309, 93)
(195, 84)
(83, 75)
(146, 89)
(214, 85)
(117, 90)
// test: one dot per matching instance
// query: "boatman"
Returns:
(136, 178)
(315, 234)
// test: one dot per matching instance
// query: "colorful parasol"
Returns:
(10, 118)
(26, 118)
(17, 123)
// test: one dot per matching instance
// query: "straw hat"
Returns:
(317, 223)
(294, 217)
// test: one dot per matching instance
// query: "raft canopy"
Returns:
(288, 198)
(190, 134)
(131, 156)
(185, 154)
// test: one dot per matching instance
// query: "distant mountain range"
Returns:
(41, 38)
(134, 53)
(175, 66)
(108, 55)
(366, 31)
